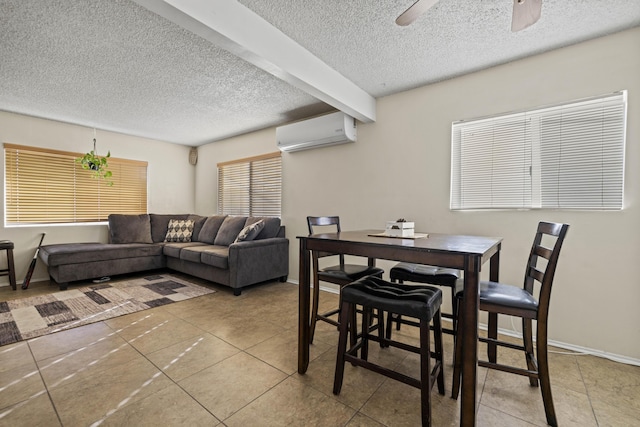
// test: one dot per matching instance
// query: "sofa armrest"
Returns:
(258, 260)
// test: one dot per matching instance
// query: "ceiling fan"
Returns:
(525, 13)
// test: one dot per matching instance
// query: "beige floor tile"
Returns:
(394, 404)
(609, 382)
(191, 356)
(63, 342)
(87, 362)
(20, 383)
(243, 330)
(358, 384)
(615, 416)
(34, 412)
(513, 395)
(15, 355)
(281, 351)
(564, 372)
(133, 324)
(292, 403)
(360, 420)
(573, 408)
(194, 306)
(160, 331)
(168, 407)
(230, 385)
(489, 417)
(85, 402)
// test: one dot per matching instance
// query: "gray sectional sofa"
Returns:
(235, 251)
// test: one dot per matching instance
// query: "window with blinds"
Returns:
(568, 156)
(49, 187)
(251, 186)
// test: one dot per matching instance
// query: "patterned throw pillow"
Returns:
(179, 230)
(250, 232)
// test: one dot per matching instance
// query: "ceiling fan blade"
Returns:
(525, 14)
(414, 11)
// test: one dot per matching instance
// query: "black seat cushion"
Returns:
(420, 273)
(503, 295)
(421, 302)
(348, 272)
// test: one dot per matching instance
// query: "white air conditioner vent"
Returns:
(330, 129)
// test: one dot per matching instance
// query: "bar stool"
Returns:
(426, 274)
(420, 302)
(7, 245)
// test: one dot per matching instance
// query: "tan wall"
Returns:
(170, 179)
(400, 167)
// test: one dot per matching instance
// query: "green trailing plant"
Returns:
(98, 165)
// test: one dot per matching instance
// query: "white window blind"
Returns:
(251, 186)
(45, 186)
(568, 156)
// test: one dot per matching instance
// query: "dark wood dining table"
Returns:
(466, 253)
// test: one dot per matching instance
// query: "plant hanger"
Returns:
(96, 164)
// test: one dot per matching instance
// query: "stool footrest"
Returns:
(382, 370)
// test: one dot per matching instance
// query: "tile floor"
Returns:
(232, 361)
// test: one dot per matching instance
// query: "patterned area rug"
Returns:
(32, 317)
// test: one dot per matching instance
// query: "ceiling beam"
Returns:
(235, 28)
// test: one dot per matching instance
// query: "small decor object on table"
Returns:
(400, 228)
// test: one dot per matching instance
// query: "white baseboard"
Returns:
(572, 347)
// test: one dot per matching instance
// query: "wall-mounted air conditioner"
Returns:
(330, 129)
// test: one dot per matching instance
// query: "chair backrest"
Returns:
(332, 222)
(546, 246)
(322, 221)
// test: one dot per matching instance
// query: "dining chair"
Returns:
(341, 274)
(499, 298)
(420, 302)
(429, 275)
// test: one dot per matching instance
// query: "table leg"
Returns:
(469, 336)
(304, 287)
(492, 324)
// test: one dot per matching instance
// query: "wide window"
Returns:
(251, 186)
(568, 156)
(49, 187)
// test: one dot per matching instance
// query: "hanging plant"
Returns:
(98, 165)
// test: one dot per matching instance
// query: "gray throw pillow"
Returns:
(210, 228)
(229, 230)
(198, 222)
(250, 232)
(271, 226)
(130, 228)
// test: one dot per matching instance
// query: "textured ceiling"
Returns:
(117, 66)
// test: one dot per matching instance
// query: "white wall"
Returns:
(171, 179)
(400, 167)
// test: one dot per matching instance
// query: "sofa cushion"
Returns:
(210, 229)
(159, 224)
(179, 230)
(173, 249)
(130, 228)
(229, 230)
(74, 253)
(216, 256)
(250, 232)
(271, 226)
(198, 222)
